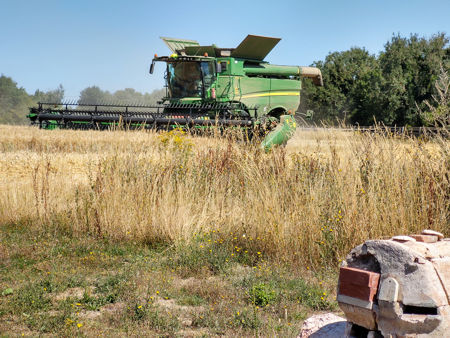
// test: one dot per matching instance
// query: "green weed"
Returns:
(262, 294)
(308, 295)
(30, 298)
(246, 318)
(190, 299)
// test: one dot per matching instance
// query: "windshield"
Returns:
(185, 79)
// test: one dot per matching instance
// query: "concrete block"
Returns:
(388, 290)
(359, 316)
(354, 301)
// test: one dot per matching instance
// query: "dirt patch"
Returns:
(241, 270)
(4, 255)
(171, 305)
(43, 266)
(109, 309)
(211, 288)
(76, 293)
(181, 283)
(184, 313)
(112, 308)
(12, 326)
(193, 333)
(89, 314)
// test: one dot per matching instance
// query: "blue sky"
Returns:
(110, 44)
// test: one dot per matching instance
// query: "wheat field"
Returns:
(307, 203)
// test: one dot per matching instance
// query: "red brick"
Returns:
(357, 291)
(358, 283)
(359, 277)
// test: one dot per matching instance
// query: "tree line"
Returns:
(95, 95)
(405, 84)
(15, 101)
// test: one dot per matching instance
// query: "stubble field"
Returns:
(165, 233)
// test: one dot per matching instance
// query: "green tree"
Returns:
(52, 96)
(154, 96)
(127, 96)
(14, 102)
(438, 111)
(352, 84)
(411, 67)
(131, 96)
(94, 95)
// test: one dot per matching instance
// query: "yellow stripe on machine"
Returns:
(190, 99)
(271, 94)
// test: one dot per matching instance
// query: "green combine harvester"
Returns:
(205, 86)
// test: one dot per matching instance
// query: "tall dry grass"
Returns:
(310, 202)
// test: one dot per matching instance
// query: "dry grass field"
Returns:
(166, 233)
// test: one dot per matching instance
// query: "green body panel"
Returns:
(271, 88)
(285, 94)
(254, 92)
(255, 47)
(174, 43)
(281, 134)
(274, 70)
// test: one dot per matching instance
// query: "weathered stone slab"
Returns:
(425, 238)
(442, 266)
(433, 233)
(403, 239)
(325, 325)
(389, 290)
(360, 316)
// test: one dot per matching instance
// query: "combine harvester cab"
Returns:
(206, 86)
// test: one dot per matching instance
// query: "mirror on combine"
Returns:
(152, 67)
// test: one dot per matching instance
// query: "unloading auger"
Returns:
(205, 86)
